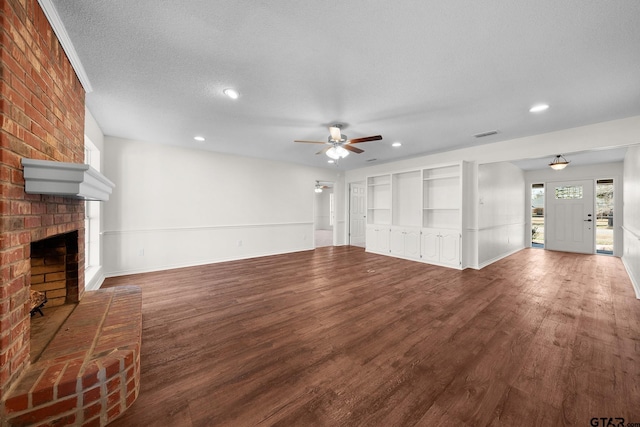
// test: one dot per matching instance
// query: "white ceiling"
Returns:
(430, 74)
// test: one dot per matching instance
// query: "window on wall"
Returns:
(604, 216)
(91, 214)
(537, 215)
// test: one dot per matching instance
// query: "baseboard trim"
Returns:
(200, 263)
(498, 258)
(634, 282)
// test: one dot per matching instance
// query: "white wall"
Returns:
(572, 173)
(631, 227)
(501, 213)
(174, 207)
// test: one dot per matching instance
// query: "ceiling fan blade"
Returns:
(365, 139)
(324, 150)
(310, 142)
(352, 148)
(335, 133)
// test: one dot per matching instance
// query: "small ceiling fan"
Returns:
(320, 187)
(338, 146)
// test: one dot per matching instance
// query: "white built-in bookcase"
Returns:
(417, 214)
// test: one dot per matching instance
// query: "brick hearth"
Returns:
(90, 373)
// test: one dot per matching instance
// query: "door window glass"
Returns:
(569, 192)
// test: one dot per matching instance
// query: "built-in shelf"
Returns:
(417, 214)
(76, 180)
(447, 176)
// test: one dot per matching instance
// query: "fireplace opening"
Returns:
(54, 276)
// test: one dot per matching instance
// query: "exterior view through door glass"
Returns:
(604, 216)
(570, 220)
(537, 215)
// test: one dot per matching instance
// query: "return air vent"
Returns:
(488, 133)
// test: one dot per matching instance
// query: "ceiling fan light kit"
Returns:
(337, 152)
(559, 163)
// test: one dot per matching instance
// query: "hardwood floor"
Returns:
(337, 336)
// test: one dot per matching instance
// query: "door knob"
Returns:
(587, 220)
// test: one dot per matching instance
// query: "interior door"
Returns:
(569, 219)
(357, 214)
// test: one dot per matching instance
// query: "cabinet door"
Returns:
(396, 241)
(450, 247)
(430, 245)
(382, 239)
(412, 244)
(378, 239)
(371, 241)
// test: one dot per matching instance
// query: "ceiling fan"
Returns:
(338, 146)
(320, 187)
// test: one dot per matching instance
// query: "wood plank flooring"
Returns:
(340, 337)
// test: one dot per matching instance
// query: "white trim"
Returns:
(493, 227)
(498, 258)
(94, 277)
(634, 283)
(51, 13)
(202, 262)
(203, 227)
(632, 232)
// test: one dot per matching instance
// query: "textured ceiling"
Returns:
(430, 74)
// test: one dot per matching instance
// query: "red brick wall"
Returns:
(42, 117)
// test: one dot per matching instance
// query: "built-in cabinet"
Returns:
(405, 242)
(417, 214)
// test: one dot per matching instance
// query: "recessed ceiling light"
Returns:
(331, 161)
(199, 138)
(396, 144)
(231, 93)
(538, 108)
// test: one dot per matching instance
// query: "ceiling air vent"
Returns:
(488, 133)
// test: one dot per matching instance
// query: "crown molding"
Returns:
(51, 13)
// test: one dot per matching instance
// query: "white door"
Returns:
(569, 218)
(357, 214)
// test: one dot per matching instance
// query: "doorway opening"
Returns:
(604, 216)
(324, 217)
(537, 215)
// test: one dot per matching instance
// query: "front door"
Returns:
(357, 214)
(570, 221)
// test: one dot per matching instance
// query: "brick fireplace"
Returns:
(54, 268)
(89, 373)
(42, 117)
